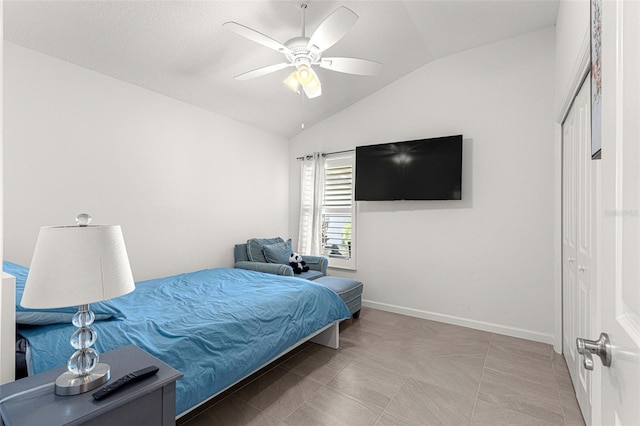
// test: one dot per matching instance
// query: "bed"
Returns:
(215, 326)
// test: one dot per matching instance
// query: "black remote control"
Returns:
(125, 380)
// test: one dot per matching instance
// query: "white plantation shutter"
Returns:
(338, 227)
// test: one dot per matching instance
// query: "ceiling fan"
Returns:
(305, 52)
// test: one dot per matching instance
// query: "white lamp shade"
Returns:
(77, 265)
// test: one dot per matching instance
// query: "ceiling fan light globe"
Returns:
(311, 85)
(304, 74)
(292, 81)
(312, 92)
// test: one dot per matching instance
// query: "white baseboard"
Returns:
(464, 322)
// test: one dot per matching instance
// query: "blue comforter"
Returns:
(214, 326)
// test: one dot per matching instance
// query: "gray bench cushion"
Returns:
(349, 290)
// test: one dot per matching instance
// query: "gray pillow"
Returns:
(254, 248)
(278, 252)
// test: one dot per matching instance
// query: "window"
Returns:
(338, 211)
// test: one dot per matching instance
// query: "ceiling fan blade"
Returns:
(262, 71)
(256, 36)
(333, 28)
(352, 66)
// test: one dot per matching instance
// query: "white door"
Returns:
(620, 215)
(577, 238)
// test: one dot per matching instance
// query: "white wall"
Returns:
(184, 183)
(486, 261)
(572, 37)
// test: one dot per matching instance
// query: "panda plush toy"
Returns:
(299, 266)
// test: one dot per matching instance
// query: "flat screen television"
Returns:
(424, 169)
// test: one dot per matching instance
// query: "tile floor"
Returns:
(397, 370)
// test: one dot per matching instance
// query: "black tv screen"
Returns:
(424, 169)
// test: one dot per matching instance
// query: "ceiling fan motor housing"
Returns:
(300, 53)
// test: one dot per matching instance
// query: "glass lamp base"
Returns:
(71, 384)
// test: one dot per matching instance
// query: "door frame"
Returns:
(581, 68)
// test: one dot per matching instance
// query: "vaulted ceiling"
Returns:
(180, 49)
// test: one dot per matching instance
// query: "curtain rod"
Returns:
(324, 154)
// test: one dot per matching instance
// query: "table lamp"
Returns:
(79, 265)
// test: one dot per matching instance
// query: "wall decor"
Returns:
(596, 79)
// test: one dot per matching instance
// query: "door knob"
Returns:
(600, 347)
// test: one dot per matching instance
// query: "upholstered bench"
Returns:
(349, 290)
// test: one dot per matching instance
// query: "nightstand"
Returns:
(151, 401)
